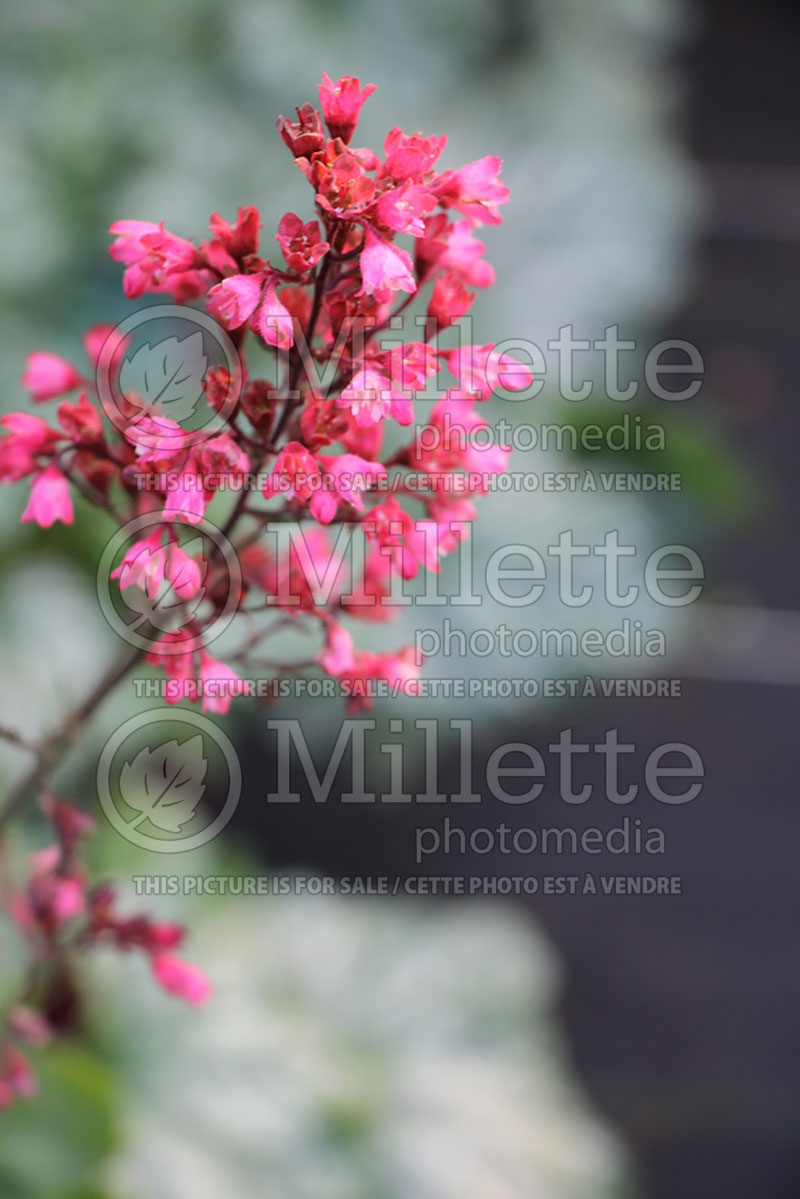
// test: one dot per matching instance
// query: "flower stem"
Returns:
(53, 748)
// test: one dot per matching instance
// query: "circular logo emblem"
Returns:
(147, 587)
(169, 781)
(156, 362)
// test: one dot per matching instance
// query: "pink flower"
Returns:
(54, 897)
(480, 370)
(457, 426)
(27, 437)
(305, 135)
(183, 573)
(221, 456)
(344, 189)
(47, 376)
(353, 476)
(414, 543)
(410, 155)
(220, 685)
(454, 516)
(34, 432)
(449, 300)
(160, 934)
(175, 660)
(321, 423)
(371, 395)
(235, 299)
(396, 666)
(397, 669)
(364, 440)
(290, 475)
(17, 1074)
(337, 657)
(157, 260)
(345, 479)
(366, 596)
(239, 240)
(334, 418)
(385, 267)
(475, 190)
(159, 441)
(181, 978)
(160, 447)
(143, 565)
(341, 104)
(302, 245)
(412, 364)
(67, 898)
(192, 475)
(324, 506)
(157, 939)
(94, 340)
(81, 420)
(186, 499)
(454, 248)
(129, 245)
(49, 499)
(273, 320)
(403, 208)
(289, 578)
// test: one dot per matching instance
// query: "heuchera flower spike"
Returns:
(304, 446)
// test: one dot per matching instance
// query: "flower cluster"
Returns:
(58, 914)
(322, 442)
(325, 299)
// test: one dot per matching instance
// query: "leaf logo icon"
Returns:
(159, 603)
(160, 611)
(164, 784)
(167, 377)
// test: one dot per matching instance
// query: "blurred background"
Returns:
(556, 1046)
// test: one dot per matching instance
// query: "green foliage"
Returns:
(50, 1145)
(714, 475)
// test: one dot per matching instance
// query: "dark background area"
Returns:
(682, 1010)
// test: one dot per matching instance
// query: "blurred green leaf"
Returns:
(713, 473)
(48, 1145)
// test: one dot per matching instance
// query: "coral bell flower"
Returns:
(181, 978)
(302, 245)
(48, 376)
(341, 104)
(475, 190)
(49, 499)
(403, 208)
(28, 436)
(385, 267)
(314, 429)
(305, 136)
